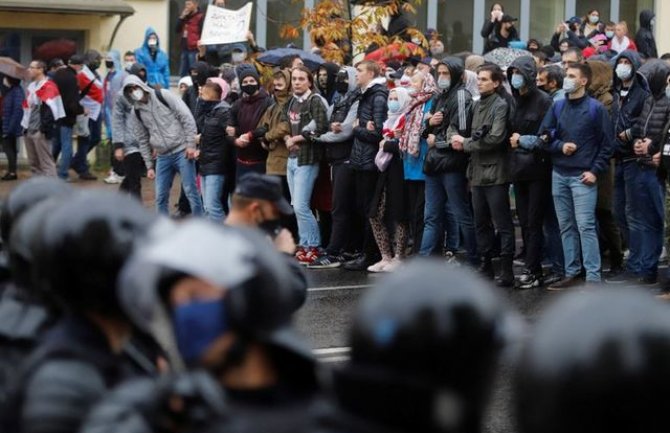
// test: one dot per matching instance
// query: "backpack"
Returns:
(559, 106)
(161, 98)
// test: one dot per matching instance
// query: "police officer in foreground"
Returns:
(597, 363)
(81, 246)
(228, 305)
(425, 345)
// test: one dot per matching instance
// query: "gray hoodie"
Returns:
(122, 127)
(163, 129)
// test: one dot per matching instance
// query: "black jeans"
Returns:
(416, 193)
(532, 198)
(346, 233)
(9, 147)
(492, 210)
(133, 166)
(365, 184)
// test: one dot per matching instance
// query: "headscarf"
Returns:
(394, 119)
(409, 142)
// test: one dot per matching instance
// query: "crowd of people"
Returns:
(393, 158)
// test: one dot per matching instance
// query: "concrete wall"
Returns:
(662, 24)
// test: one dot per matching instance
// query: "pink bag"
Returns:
(383, 159)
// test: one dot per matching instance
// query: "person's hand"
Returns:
(230, 131)
(382, 143)
(622, 136)
(336, 127)
(569, 148)
(370, 126)
(242, 141)
(398, 133)
(284, 242)
(86, 111)
(431, 140)
(436, 119)
(514, 140)
(197, 154)
(151, 174)
(588, 178)
(656, 159)
(202, 49)
(457, 142)
(641, 147)
(560, 28)
(118, 154)
(197, 138)
(250, 37)
(190, 153)
(355, 123)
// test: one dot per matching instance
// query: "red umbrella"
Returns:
(12, 68)
(56, 48)
(395, 51)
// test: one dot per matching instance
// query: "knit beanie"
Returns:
(246, 70)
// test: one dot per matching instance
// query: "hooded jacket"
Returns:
(275, 127)
(627, 109)
(644, 39)
(166, 130)
(68, 86)
(202, 72)
(113, 82)
(329, 92)
(12, 112)
(656, 110)
(456, 105)
(600, 87)
(156, 62)
(528, 115)
(373, 107)
(494, 39)
(123, 136)
(216, 150)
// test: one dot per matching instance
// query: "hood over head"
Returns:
(132, 81)
(351, 74)
(656, 72)
(148, 32)
(332, 70)
(527, 68)
(136, 68)
(225, 87)
(201, 69)
(635, 59)
(645, 18)
(116, 58)
(601, 80)
(456, 69)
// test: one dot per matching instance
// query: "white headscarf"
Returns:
(405, 100)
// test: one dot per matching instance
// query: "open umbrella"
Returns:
(504, 57)
(274, 57)
(12, 68)
(396, 51)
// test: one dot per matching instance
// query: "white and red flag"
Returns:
(43, 92)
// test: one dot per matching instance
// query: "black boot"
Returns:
(507, 275)
(486, 268)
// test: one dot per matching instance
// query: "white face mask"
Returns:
(137, 94)
(128, 65)
(624, 72)
(152, 42)
(570, 85)
(238, 57)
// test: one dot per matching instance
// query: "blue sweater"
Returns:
(12, 112)
(413, 165)
(575, 124)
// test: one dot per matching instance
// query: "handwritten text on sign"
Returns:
(225, 26)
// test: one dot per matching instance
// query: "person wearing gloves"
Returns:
(155, 60)
(163, 124)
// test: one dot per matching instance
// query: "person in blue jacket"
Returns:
(12, 110)
(155, 60)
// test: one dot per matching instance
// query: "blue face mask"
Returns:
(609, 34)
(394, 106)
(517, 81)
(196, 326)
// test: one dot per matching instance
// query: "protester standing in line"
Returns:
(12, 113)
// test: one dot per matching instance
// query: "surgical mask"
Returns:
(250, 89)
(667, 92)
(570, 85)
(624, 72)
(517, 81)
(594, 19)
(128, 65)
(271, 227)
(109, 64)
(137, 94)
(609, 34)
(394, 106)
(238, 57)
(444, 83)
(152, 42)
(436, 51)
(197, 325)
(342, 87)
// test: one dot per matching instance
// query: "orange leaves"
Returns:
(288, 31)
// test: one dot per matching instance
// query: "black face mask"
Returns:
(342, 87)
(249, 89)
(94, 65)
(271, 227)
(109, 64)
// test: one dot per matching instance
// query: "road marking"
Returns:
(335, 288)
(331, 351)
(334, 359)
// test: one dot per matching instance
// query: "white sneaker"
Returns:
(379, 266)
(393, 265)
(664, 255)
(626, 254)
(113, 178)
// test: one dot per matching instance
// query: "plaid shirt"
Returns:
(315, 110)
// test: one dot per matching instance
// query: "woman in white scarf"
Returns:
(620, 42)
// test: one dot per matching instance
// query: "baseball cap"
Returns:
(574, 20)
(507, 18)
(263, 187)
(77, 59)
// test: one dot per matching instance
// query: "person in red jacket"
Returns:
(189, 26)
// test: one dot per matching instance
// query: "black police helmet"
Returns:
(83, 246)
(599, 363)
(28, 193)
(426, 340)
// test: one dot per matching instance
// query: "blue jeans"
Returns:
(62, 145)
(166, 168)
(454, 187)
(645, 216)
(86, 144)
(619, 204)
(301, 184)
(453, 238)
(212, 193)
(576, 211)
(187, 59)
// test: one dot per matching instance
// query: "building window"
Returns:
(586, 6)
(512, 7)
(454, 23)
(544, 18)
(26, 44)
(629, 11)
(279, 13)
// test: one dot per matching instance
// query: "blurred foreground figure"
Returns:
(425, 345)
(597, 363)
(220, 299)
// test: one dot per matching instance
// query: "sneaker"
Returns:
(300, 253)
(646, 281)
(450, 257)
(529, 280)
(552, 277)
(664, 255)
(379, 266)
(565, 283)
(613, 272)
(326, 261)
(620, 277)
(87, 176)
(9, 176)
(360, 264)
(626, 254)
(312, 255)
(113, 178)
(393, 265)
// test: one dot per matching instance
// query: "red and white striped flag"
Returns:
(94, 96)
(44, 92)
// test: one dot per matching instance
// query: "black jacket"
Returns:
(656, 110)
(373, 107)
(66, 80)
(329, 91)
(491, 32)
(644, 39)
(530, 110)
(456, 105)
(627, 109)
(216, 151)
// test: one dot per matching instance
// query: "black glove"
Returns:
(259, 133)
